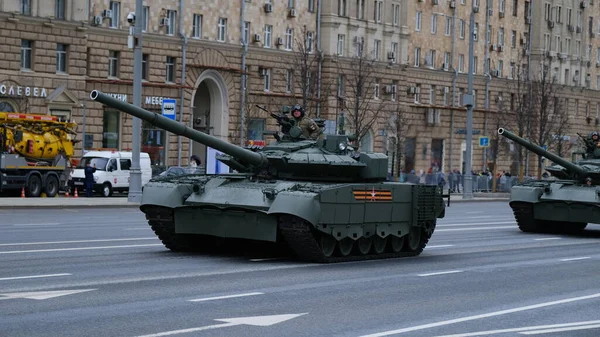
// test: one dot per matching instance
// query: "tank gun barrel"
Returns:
(576, 169)
(239, 153)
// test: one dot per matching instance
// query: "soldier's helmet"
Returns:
(298, 111)
(595, 136)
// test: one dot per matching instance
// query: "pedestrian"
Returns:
(195, 161)
(89, 179)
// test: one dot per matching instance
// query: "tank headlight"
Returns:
(342, 146)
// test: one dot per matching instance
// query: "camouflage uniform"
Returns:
(310, 129)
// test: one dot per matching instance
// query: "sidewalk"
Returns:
(63, 202)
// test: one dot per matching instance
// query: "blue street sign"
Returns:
(168, 108)
(484, 141)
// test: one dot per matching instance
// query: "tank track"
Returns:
(162, 224)
(300, 237)
(523, 212)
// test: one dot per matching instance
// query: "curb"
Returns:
(479, 200)
(68, 206)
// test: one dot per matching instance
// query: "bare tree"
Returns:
(304, 73)
(499, 145)
(397, 128)
(549, 119)
(520, 110)
(361, 92)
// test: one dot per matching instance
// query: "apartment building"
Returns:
(57, 51)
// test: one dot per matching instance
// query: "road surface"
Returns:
(102, 272)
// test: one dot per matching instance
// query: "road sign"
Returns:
(168, 108)
(484, 141)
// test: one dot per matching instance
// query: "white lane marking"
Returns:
(576, 258)
(78, 248)
(440, 246)
(441, 273)
(475, 212)
(585, 327)
(82, 222)
(136, 228)
(476, 223)
(42, 295)
(492, 332)
(32, 276)
(75, 241)
(475, 317)
(481, 217)
(471, 229)
(265, 259)
(546, 239)
(225, 297)
(254, 321)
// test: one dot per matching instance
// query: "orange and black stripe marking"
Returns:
(372, 195)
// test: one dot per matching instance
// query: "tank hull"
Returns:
(554, 206)
(319, 222)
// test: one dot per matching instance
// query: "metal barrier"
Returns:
(454, 184)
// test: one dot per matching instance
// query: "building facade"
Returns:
(218, 61)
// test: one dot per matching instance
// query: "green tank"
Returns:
(565, 202)
(318, 197)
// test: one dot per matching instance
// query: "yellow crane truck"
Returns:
(35, 153)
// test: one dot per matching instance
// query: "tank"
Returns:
(567, 200)
(318, 197)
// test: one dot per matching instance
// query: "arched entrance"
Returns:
(210, 110)
(6, 106)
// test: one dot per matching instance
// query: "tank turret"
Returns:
(292, 156)
(568, 170)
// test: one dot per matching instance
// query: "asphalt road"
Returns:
(102, 272)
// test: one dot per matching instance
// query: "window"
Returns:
(396, 11)
(172, 15)
(488, 34)
(311, 6)
(113, 63)
(25, 8)
(59, 9)
(461, 63)
(145, 18)
(61, 58)
(197, 26)
(557, 44)
(475, 36)
(340, 86)
(515, 7)
(222, 30)
(340, 44)
(418, 16)
(546, 41)
(170, 68)
(513, 39)
(360, 9)
(448, 31)
(475, 61)
(417, 57)
(511, 73)
(395, 52)
(267, 79)
(377, 47)
(7, 106)
(569, 15)
(246, 36)
(268, 36)
(115, 7)
(577, 48)
(434, 24)
(342, 7)
(431, 59)
(598, 56)
(378, 9)
(290, 3)
(62, 115)
(125, 164)
(26, 54)
(359, 46)
(445, 96)
(289, 80)
(256, 128)
(500, 68)
(432, 95)
(417, 93)
(462, 28)
(110, 128)
(376, 89)
(501, 36)
(446, 64)
(145, 74)
(501, 6)
(310, 41)
(289, 39)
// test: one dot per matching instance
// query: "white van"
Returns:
(112, 171)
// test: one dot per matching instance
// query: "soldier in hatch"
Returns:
(310, 129)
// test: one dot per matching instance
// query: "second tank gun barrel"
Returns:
(580, 171)
(239, 153)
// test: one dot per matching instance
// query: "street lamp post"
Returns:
(469, 102)
(135, 184)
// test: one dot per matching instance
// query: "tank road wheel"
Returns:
(379, 244)
(396, 244)
(327, 243)
(345, 246)
(34, 186)
(51, 187)
(413, 239)
(363, 245)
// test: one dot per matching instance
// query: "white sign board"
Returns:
(168, 108)
(213, 166)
